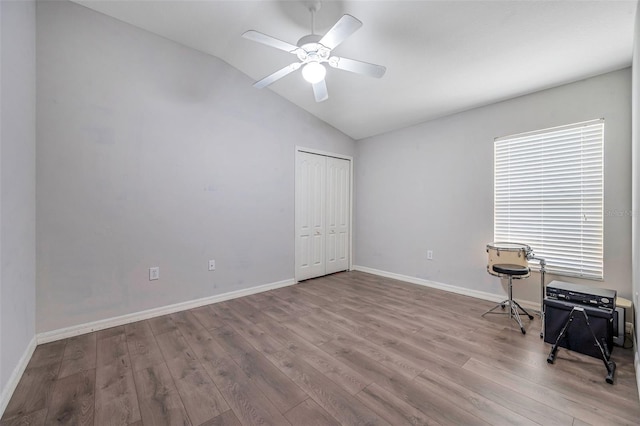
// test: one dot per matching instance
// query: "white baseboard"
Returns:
(17, 373)
(446, 287)
(90, 327)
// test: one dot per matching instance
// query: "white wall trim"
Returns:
(16, 375)
(76, 330)
(492, 297)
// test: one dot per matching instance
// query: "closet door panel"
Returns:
(338, 214)
(310, 215)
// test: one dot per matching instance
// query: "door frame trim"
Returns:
(295, 178)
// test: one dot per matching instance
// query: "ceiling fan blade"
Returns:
(320, 91)
(342, 29)
(276, 75)
(358, 67)
(269, 41)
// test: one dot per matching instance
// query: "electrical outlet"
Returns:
(212, 265)
(154, 273)
(430, 254)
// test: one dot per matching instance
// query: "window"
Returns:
(549, 194)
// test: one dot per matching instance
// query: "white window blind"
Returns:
(549, 194)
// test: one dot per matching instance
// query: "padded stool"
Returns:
(510, 271)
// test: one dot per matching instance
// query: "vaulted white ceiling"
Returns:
(442, 57)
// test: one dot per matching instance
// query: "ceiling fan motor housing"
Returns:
(311, 38)
(312, 51)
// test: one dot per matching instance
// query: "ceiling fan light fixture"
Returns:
(314, 72)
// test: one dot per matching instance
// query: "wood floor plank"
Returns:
(236, 315)
(293, 309)
(143, 349)
(79, 355)
(221, 311)
(534, 368)
(367, 320)
(338, 403)
(472, 402)
(160, 403)
(434, 404)
(186, 320)
(199, 394)
(309, 413)
(73, 400)
(387, 316)
(228, 418)
(508, 397)
(257, 337)
(36, 418)
(202, 399)
(277, 314)
(112, 349)
(418, 350)
(247, 402)
(162, 324)
(110, 332)
(333, 319)
(173, 345)
(554, 399)
(299, 293)
(274, 384)
(294, 295)
(571, 365)
(205, 316)
(116, 400)
(246, 310)
(390, 407)
(48, 354)
(342, 375)
(313, 334)
(381, 354)
(33, 392)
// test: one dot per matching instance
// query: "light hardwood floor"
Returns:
(350, 348)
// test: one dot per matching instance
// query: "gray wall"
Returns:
(153, 154)
(430, 187)
(17, 184)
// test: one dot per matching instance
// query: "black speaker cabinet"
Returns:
(619, 321)
(578, 337)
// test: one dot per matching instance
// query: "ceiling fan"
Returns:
(313, 51)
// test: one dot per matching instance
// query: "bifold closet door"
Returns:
(337, 215)
(322, 215)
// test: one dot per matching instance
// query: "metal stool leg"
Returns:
(523, 310)
(502, 305)
(513, 306)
